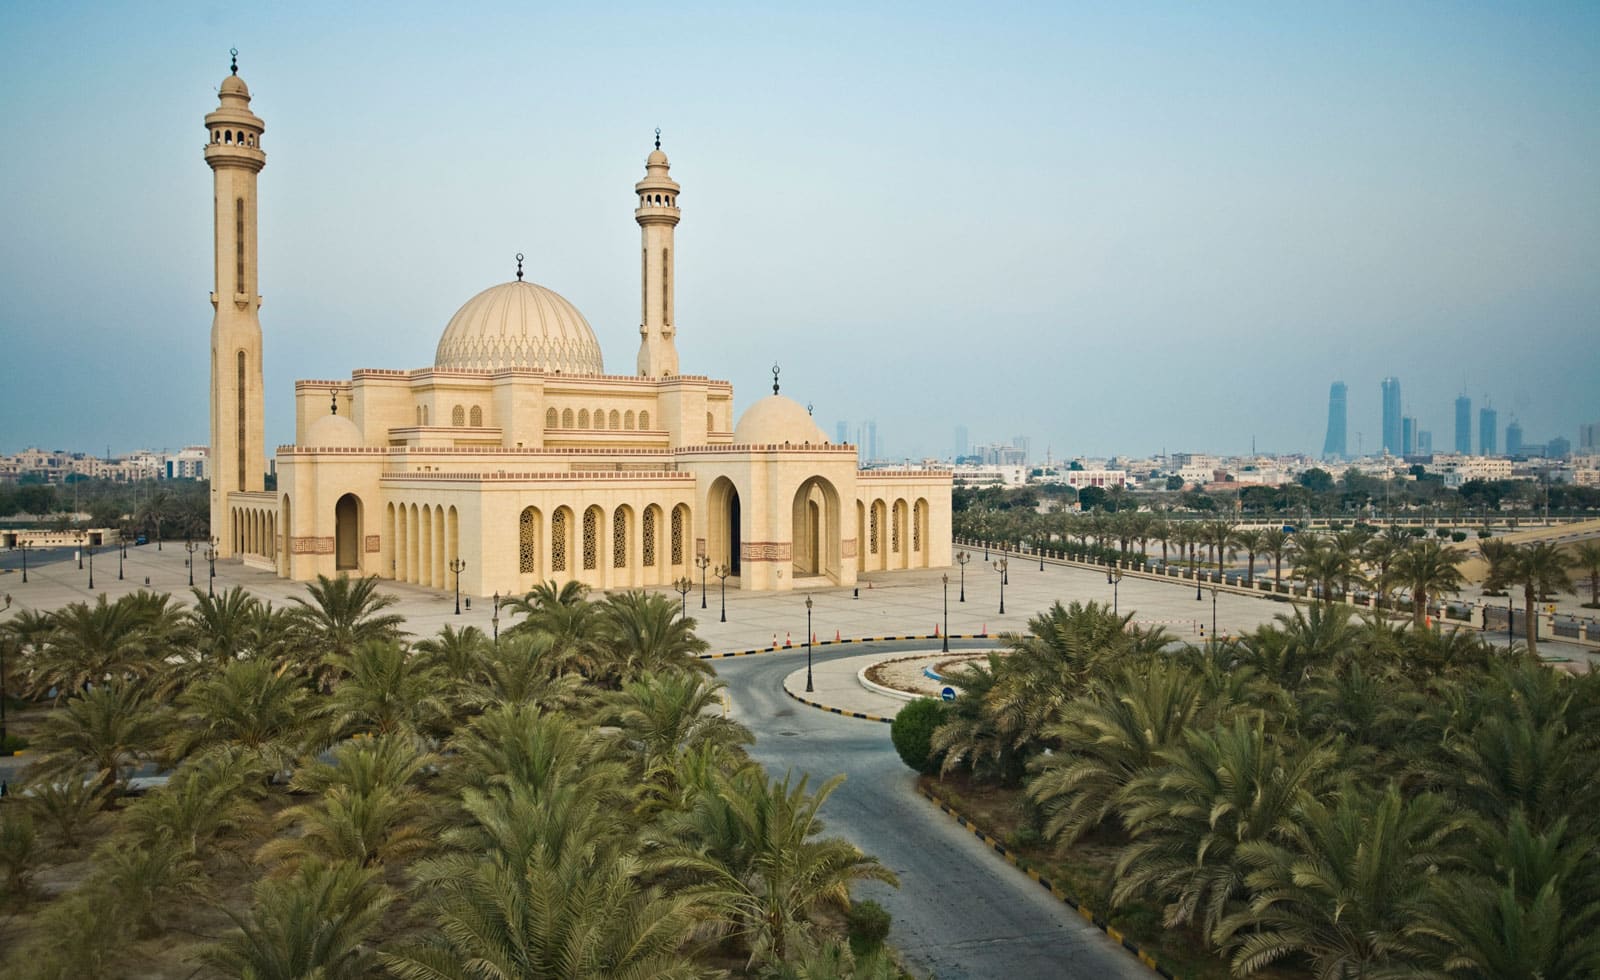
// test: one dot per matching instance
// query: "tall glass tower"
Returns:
(1393, 435)
(1464, 425)
(1333, 447)
(1488, 428)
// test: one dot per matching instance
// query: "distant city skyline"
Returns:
(1018, 218)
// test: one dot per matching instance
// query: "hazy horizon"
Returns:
(1112, 230)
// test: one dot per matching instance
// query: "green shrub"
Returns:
(1458, 536)
(912, 732)
(1023, 837)
(12, 743)
(868, 924)
(1483, 534)
(1441, 532)
(1418, 532)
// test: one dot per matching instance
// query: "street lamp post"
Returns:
(1000, 566)
(722, 573)
(961, 559)
(946, 645)
(1005, 564)
(122, 554)
(702, 562)
(1041, 555)
(808, 644)
(682, 587)
(1213, 614)
(90, 549)
(191, 547)
(211, 562)
(80, 550)
(458, 565)
(494, 619)
(1114, 579)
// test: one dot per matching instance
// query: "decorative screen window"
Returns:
(644, 420)
(528, 534)
(677, 535)
(872, 534)
(894, 530)
(477, 416)
(916, 529)
(558, 542)
(649, 537)
(591, 531)
(619, 539)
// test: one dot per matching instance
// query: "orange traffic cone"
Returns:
(837, 637)
(774, 641)
(985, 630)
(813, 638)
(936, 631)
(786, 641)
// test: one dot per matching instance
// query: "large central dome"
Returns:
(519, 325)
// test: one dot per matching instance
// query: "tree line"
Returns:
(564, 799)
(156, 509)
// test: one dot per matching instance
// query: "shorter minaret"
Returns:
(657, 215)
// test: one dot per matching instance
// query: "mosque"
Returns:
(515, 458)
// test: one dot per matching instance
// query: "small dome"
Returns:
(656, 158)
(234, 85)
(332, 432)
(775, 420)
(519, 325)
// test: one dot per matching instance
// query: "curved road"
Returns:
(960, 911)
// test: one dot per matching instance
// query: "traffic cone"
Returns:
(935, 631)
(813, 638)
(985, 630)
(786, 641)
(837, 638)
(774, 641)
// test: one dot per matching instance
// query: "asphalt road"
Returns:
(960, 910)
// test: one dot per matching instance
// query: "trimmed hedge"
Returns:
(912, 733)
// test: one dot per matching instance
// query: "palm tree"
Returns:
(149, 879)
(206, 799)
(21, 854)
(666, 715)
(384, 691)
(108, 640)
(970, 736)
(1341, 887)
(315, 924)
(106, 731)
(250, 705)
(568, 619)
(1190, 816)
(1381, 551)
(221, 625)
(458, 656)
(1430, 569)
(519, 744)
(1586, 555)
(69, 808)
(1296, 643)
(343, 614)
(524, 669)
(1541, 568)
(1275, 543)
(1106, 738)
(1249, 539)
(753, 842)
(644, 632)
(156, 508)
(1161, 530)
(1219, 537)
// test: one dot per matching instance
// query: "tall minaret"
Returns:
(657, 215)
(238, 454)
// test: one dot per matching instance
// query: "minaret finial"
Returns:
(235, 53)
(658, 137)
(333, 397)
(774, 377)
(519, 267)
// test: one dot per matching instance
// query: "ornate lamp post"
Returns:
(1005, 564)
(81, 542)
(191, 547)
(458, 565)
(682, 587)
(24, 546)
(808, 644)
(90, 549)
(1114, 579)
(702, 562)
(211, 561)
(1041, 554)
(1000, 566)
(122, 555)
(722, 572)
(961, 559)
(494, 619)
(946, 580)
(1213, 614)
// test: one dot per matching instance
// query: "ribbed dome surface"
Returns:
(519, 325)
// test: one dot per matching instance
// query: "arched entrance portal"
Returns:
(347, 533)
(816, 530)
(722, 538)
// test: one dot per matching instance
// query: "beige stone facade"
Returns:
(516, 454)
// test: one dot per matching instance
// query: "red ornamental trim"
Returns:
(311, 546)
(766, 551)
(372, 544)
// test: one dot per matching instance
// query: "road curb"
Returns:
(837, 711)
(841, 642)
(1083, 911)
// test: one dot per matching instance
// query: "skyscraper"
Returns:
(1589, 437)
(1393, 435)
(841, 432)
(1513, 438)
(961, 440)
(1488, 426)
(1463, 425)
(1334, 445)
(1408, 435)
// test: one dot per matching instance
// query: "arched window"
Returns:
(648, 536)
(528, 535)
(710, 423)
(873, 530)
(627, 420)
(644, 420)
(599, 418)
(919, 516)
(419, 414)
(551, 419)
(424, 415)
(458, 416)
(591, 538)
(619, 538)
(583, 419)
(558, 540)
(615, 420)
(477, 417)
(678, 515)
(566, 419)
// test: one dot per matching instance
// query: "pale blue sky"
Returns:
(1110, 227)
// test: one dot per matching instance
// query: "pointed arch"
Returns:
(347, 533)
(551, 418)
(644, 420)
(476, 417)
(458, 416)
(560, 539)
(528, 551)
